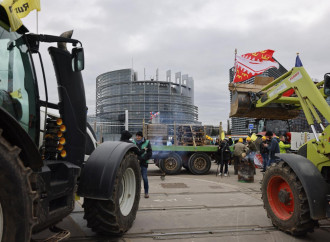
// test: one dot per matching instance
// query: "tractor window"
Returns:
(17, 91)
(277, 126)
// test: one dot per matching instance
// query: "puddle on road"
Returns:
(215, 187)
(174, 185)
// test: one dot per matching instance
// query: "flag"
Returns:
(298, 62)
(17, 9)
(222, 135)
(153, 114)
(252, 64)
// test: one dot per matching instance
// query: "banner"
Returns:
(252, 64)
(17, 9)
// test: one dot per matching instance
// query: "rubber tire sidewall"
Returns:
(195, 171)
(289, 225)
(126, 222)
(104, 216)
(178, 162)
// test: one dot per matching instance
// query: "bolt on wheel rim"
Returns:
(170, 163)
(200, 163)
(128, 187)
(280, 197)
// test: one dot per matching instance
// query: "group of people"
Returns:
(144, 154)
(267, 145)
(271, 145)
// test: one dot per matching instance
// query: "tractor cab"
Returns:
(19, 92)
(18, 89)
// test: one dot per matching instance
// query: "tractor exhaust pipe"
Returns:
(67, 34)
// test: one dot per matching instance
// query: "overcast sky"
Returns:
(196, 37)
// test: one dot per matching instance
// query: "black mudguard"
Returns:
(314, 185)
(99, 172)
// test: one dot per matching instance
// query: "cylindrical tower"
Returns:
(117, 91)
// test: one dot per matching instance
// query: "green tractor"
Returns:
(42, 156)
(296, 189)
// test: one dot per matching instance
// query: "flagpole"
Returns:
(37, 22)
(235, 65)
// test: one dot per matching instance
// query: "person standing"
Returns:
(231, 148)
(252, 148)
(282, 144)
(273, 146)
(239, 149)
(125, 136)
(144, 155)
(264, 153)
(225, 156)
(230, 141)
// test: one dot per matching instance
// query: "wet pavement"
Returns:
(200, 208)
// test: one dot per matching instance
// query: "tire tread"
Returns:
(104, 216)
(303, 223)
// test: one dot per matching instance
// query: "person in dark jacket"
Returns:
(125, 136)
(145, 153)
(230, 141)
(264, 153)
(273, 146)
(223, 156)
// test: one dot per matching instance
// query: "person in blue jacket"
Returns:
(273, 146)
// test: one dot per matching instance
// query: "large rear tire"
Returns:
(116, 216)
(285, 200)
(172, 164)
(199, 163)
(16, 195)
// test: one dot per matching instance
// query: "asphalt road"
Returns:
(200, 208)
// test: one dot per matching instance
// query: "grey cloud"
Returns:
(196, 37)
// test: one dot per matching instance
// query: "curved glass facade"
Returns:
(117, 91)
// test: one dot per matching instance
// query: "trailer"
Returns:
(178, 146)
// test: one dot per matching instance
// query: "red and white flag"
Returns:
(252, 64)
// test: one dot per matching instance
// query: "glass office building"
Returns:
(117, 91)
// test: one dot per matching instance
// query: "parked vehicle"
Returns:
(40, 177)
(296, 190)
(186, 148)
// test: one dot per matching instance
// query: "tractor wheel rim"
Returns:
(1, 222)
(170, 163)
(127, 197)
(282, 209)
(200, 163)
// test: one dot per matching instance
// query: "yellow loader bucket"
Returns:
(241, 105)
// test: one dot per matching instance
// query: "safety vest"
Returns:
(144, 145)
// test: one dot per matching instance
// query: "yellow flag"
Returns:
(17, 9)
(222, 135)
(23, 7)
(254, 137)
